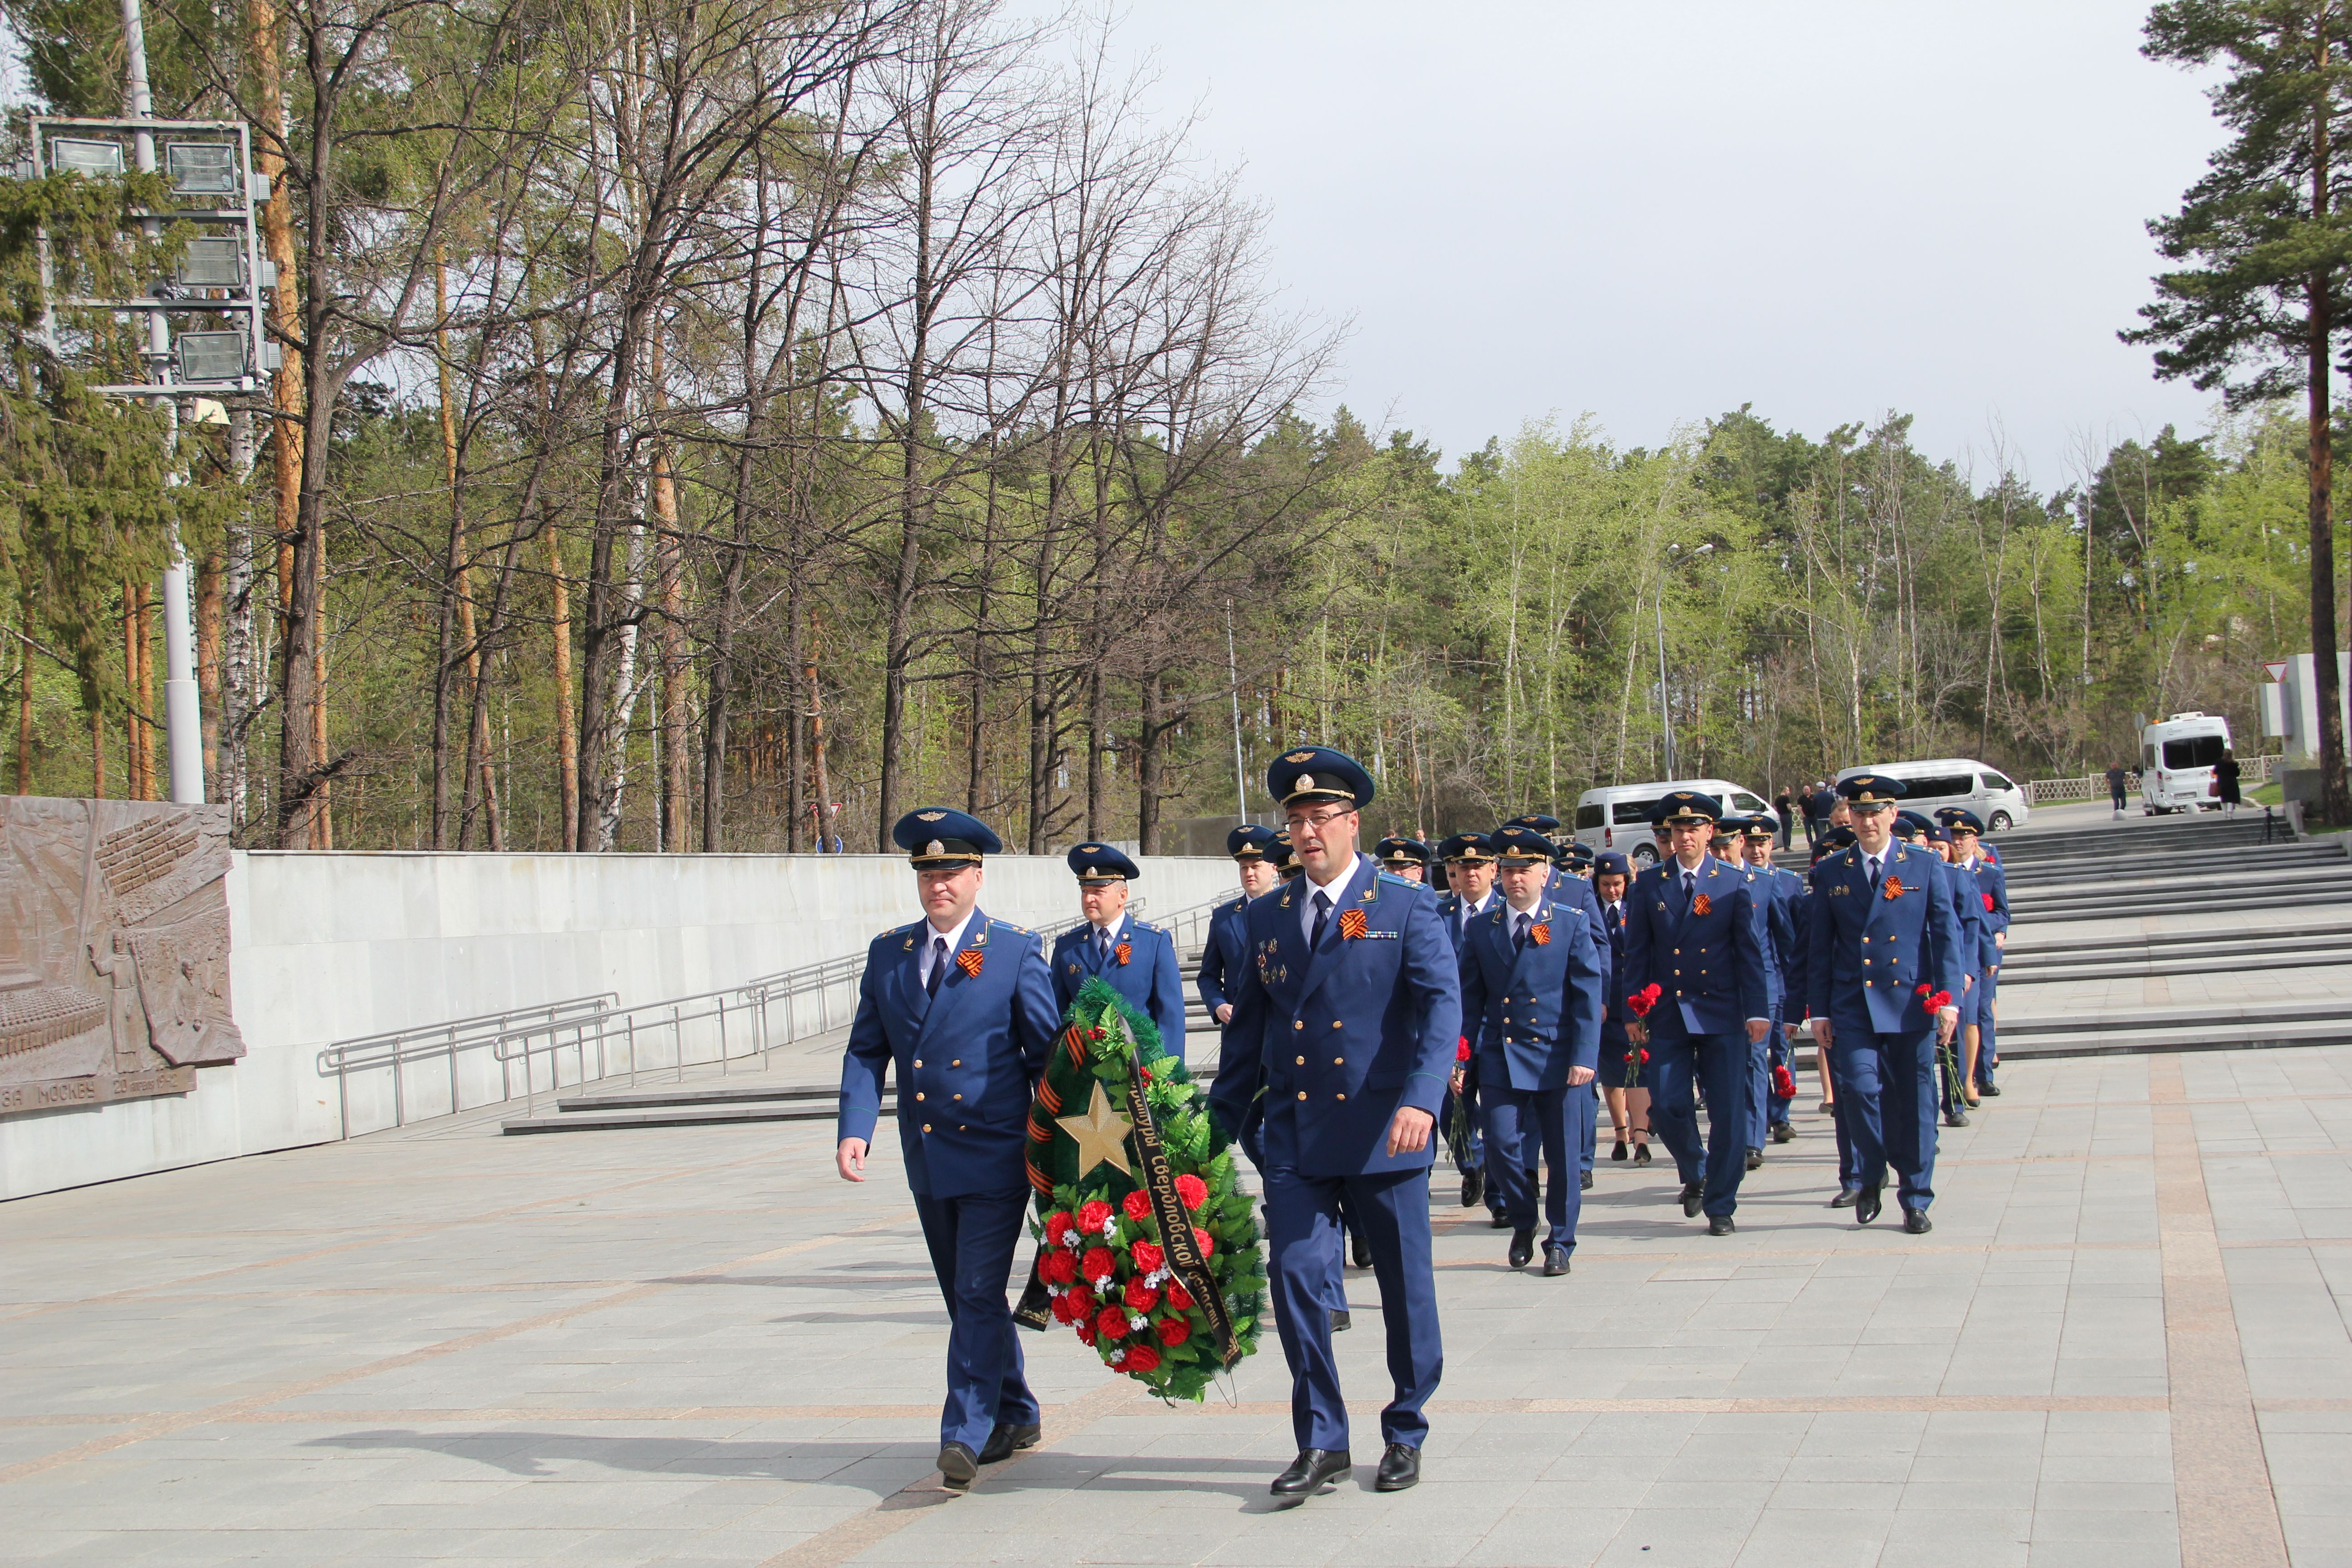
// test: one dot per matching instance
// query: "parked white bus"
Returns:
(2176, 762)
(1618, 817)
(1930, 786)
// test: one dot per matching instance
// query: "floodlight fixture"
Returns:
(91, 160)
(201, 168)
(211, 356)
(216, 262)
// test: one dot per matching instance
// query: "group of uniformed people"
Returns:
(1364, 1013)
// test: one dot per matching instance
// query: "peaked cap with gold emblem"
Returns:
(1872, 787)
(1317, 773)
(1095, 862)
(940, 836)
(1685, 808)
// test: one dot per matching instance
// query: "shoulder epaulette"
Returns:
(1008, 925)
(1394, 880)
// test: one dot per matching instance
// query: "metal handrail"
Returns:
(396, 1048)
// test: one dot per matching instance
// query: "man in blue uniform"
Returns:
(1623, 1079)
(1758, 839)
(1355, 1001)
(1989, 885)
(963, 1007)
(1531, 977)
(1973, 942)
(1401, 856)
(1830, 841)
(1470, 873)
(1139, 959)
(1691, 931)
(1884, 946)
(1224, 955)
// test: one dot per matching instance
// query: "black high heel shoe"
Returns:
(1619, 1152)
(1641, 1153)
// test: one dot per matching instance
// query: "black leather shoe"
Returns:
(1400, 1468)
(1917, 1223)
(1756, 1159)
(1314, 1470)
(1783, 1134)
(1497, 1220)
(1361, 1249)
(1989, 1089)
(1618, 1153)
(1555, 1262)
(958, 1464)
(1005, 1441)
(1341, 1320)
(1846, 1198)
(1865, 1206)
(1720, 1224)
(1584, 1182)
(1693, 1194)
(1474, 1188)
(1523, 1246)
(1641, 1153)
(1957, 1119)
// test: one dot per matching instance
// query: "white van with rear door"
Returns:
(2176, 762)
(1930, 786)
(1618, 815)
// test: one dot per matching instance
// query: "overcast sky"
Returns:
(1656, 211)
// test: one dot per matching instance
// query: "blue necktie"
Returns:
(1322, 914)
(938, 966)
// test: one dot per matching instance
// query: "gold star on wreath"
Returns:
(1101, 1134)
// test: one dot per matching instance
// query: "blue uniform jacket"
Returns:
(1992, 896)
(1871, 951)
(967, 1059)
(1537, 1009)
(1775, 894)
(1973, 940)
(1710, 969)
(1221, 957)
(1576, 893)
(1613, 987)
(1149, 980)
(1338, 1039)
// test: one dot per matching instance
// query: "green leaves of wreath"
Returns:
(1113, 1177)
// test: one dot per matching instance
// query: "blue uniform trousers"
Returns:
(1986, 1056)
(1886, 1089)
(1525, 1119)
(1759, 1088)
(1849, 1162)
(1302, 1219)
(1589, 1099)
(971, 1241)
(1680, 1068)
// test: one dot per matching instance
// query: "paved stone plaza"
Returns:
(699, 1346)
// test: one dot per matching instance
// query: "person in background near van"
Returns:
(1621, 1066)
(2225, 777)
(1884, 974)
(1783, 807)
(1691, 932)
(2117, 778)
(1820, 806)
(1777, 1089)
(1469, 862)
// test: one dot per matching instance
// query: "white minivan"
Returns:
(1618, 817)
(1930, 786)
(2176, 762)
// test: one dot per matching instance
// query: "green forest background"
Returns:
(710, 444)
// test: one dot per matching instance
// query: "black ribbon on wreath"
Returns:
(1185, 1258)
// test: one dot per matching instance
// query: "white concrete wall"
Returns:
(328, 947)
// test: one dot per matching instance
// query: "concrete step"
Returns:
(2228, 959)
(2079, 871)
(2094, 947)
(696, 1116)
(2142, 1031)
(731, 1094)
(2208, 833)
(2296, 888)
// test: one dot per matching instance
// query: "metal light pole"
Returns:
(1234, 673)
(182, 718)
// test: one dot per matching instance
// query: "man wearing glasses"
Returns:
(1885, 978)
(1352, 1001)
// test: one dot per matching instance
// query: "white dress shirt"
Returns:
(1330, 890)
(930, 955)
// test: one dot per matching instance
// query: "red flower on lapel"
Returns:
(1892, 887)
(1353, 924)
(1540, 935)
(1702, 905)
(1121, 952)
(969, 962)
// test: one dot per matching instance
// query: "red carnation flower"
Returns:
(1645, 1056)
(1059, 1268)
(1178, 1297)
(1140, 1298)
(1208, 1247)
(1137, 1205)
(1921, 988)
(1111, 1323)
(1082, 1303)
(1939, 1001)
(1989, 906)
(1085, 1328)
(1097, 1264)
(1462, 1049)
(1091, 1215)
(1067, 1310)
(1149, 1258)
(1057, 1227)
(1142, 1358)
(1192, 1190)
(1175, 1330)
